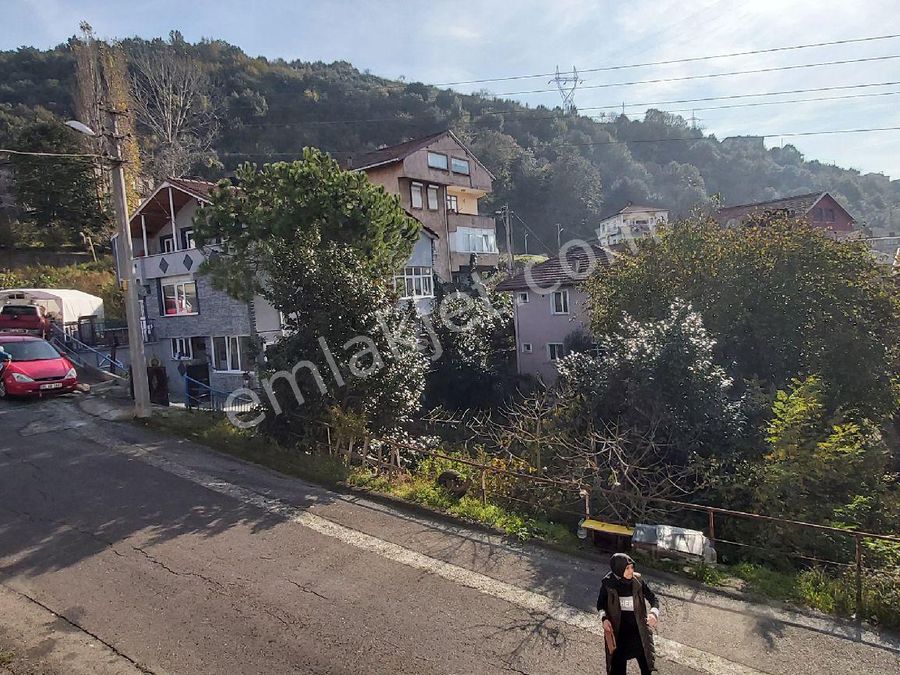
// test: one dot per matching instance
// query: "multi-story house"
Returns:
(439, 182)
(187, 322)
(820, 209)
(551, 308)
(631, 222)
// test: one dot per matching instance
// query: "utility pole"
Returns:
(559, 231)
(567, 84)
(126, 255)
(526, 243)
(504, 213)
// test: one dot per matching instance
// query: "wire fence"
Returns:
(393, 456)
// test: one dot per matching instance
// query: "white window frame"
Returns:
(417, 188)
(452, 203)
(413, 277)
(177, 344)
(179, 295)
(564, 296)
(436, 191)
(468, 169)
(437, 163)
(523, 298)
(560, 351)
(229, 347)
(526, 348)
(187, 238)
(167, 242)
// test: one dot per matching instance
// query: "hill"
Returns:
(552, 167)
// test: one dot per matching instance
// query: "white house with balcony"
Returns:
(631, 222)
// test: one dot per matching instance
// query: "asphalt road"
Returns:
(125, 551)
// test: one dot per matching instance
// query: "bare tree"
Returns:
(174, 106)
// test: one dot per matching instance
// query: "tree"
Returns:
(477, 349)
(338, 318)
(781, 299)
(655, 380)
(58, 195)
(303, 202)
(174, 105)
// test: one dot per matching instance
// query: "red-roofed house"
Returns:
(820, 209)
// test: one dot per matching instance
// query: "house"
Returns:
(820, 209)
(189, 326)
(439, 182)
(631, 222)
(551, 308)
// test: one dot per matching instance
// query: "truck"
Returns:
(25, 319)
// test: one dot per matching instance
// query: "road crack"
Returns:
(306, 589)
(168, 569)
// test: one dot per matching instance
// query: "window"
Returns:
(437, 161)
(187, 238)
(179, 298)
(460, 165)
(829, 215)
(415, 195)
(560, 302)
(555, 350)
(452, 203)
(415, 282)
(817, 215)
(433, 198)
(181, 349)
(523, 298)
(526, 347)
(475, 240)
(166, 244)
(231, 353)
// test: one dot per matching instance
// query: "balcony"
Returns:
(163, 265)
(458, 220)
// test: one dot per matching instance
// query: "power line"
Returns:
(616, 141)
(674, 61)
(712, 75)
(24, 153)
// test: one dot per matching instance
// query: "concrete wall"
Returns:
(538, 326)
(17, 259)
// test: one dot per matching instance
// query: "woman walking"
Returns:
(626, 621)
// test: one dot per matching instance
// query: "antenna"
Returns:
(567, 84)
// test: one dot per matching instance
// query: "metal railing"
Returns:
(201, 396)
(75, 350)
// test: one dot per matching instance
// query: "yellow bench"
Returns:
(611, 534)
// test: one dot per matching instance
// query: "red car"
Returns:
(35, 368)
(27, 319)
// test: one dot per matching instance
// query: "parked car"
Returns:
(25, 319)
(35, 368)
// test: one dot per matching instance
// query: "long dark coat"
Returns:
(608, 602)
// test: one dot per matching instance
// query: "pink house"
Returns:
(551, 307)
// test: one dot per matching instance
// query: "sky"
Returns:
(442, 41)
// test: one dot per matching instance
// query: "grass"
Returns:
(812, 588)
(6, 657)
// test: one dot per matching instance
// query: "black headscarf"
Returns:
(618, 562)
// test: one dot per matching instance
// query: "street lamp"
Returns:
(126, 256)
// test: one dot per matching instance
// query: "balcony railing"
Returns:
(469, 220)
(162, 265)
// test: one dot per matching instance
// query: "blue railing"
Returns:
(75, 349)
(200, 396)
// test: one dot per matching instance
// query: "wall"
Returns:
(842, 225)
(17, 259)
(536, 324)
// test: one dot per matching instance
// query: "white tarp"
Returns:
(673, 539)
(63, 305)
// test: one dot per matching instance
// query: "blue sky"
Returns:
(441, 41)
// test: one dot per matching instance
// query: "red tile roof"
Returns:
(547, 274)
(393, 153)
(796, 205)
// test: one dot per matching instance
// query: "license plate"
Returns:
(53, 385)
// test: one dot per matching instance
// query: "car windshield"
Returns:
(30, 350)
(17, 310)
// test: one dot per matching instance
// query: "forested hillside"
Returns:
(551, 167)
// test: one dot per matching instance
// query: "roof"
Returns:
(431, 233)
(399, 152)
(199, 188)
(635, 208)
(798, 204)
(546, 275)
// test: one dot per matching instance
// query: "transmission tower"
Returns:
(567, 84)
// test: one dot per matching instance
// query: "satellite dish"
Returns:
(80, 127)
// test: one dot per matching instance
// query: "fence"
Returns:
(385, 455)
(200, 396)
(76, 350)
